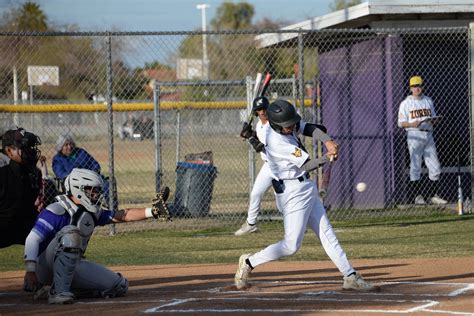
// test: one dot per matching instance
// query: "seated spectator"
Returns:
(70, 156)
(127, 129)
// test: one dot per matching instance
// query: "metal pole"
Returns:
(16, 120)
(471, 105)
(178, 134)
(294, 89)
(32, 115)
(205, 61)
(301, 71)
(113, 200)
(157, 135)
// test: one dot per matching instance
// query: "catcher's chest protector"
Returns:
(86, 224)
(80, 218)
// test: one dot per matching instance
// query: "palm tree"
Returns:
(32, 18)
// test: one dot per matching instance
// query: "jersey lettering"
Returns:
(420, 113)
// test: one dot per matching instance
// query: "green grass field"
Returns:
(431, 237)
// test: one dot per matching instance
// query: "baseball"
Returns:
(361, 187)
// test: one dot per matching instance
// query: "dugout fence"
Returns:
(113, 86)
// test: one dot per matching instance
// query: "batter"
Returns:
(297, 196)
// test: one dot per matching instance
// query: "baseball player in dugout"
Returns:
(54, 249)
(20, 186)
(297, 197)
(263, 181)
(417, 116)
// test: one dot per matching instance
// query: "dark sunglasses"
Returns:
(417, 86)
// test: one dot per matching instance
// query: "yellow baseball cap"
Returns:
(416, 81)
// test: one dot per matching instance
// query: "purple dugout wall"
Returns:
(360, 106)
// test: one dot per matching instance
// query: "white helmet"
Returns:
(86, 185)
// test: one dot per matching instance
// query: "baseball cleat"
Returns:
(419, 200)
(437, 200)
(357, 283)
(246, 228)
(242, 275)
(61, 298)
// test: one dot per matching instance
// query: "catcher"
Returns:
(55, 247)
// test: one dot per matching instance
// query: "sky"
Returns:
(161, 15)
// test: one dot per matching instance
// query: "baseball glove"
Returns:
(159, 209)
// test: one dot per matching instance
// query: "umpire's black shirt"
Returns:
(19, 189)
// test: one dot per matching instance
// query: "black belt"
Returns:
(300, 179)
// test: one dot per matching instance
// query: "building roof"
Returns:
(383, 14)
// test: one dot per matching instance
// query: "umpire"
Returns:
(20, 186)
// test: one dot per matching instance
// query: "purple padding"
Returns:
(358, 109)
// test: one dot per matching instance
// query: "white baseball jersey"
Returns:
(287, 154)
(414, 109)
(420, 139)
(263, 181)
(262, 130)
(299, 203)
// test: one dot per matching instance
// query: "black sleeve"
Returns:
(317, 132)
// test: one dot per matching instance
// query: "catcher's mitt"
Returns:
(159, 209)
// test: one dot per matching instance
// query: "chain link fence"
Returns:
(152, 111)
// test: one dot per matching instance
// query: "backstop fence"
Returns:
(154, 109)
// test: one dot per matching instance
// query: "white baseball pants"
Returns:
(301, 207)
(421, 145)
(262, 182)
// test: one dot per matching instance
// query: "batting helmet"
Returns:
(282, 114)
(260, 103)
(416, 81)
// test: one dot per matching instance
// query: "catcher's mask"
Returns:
(282, 114)
(260, 103)
(87, 186)
(26, 141)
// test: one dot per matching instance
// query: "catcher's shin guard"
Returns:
(67, 256)
(95, 280)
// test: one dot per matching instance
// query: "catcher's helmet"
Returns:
(282, 114)
(86, 185)
(259, 103)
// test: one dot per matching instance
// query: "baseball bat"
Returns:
(263, 88)
(256, 87)
(258, 82)
(266, 83)
(460, 195)
(323, 193)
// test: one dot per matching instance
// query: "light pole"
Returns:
(205, 61)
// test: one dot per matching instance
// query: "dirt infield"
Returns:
(421, 286)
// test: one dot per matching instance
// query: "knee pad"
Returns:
(119, 288)
(69, 238)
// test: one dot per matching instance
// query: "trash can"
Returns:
(194, 185)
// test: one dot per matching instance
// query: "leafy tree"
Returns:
(233, 16)
(342, 4)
